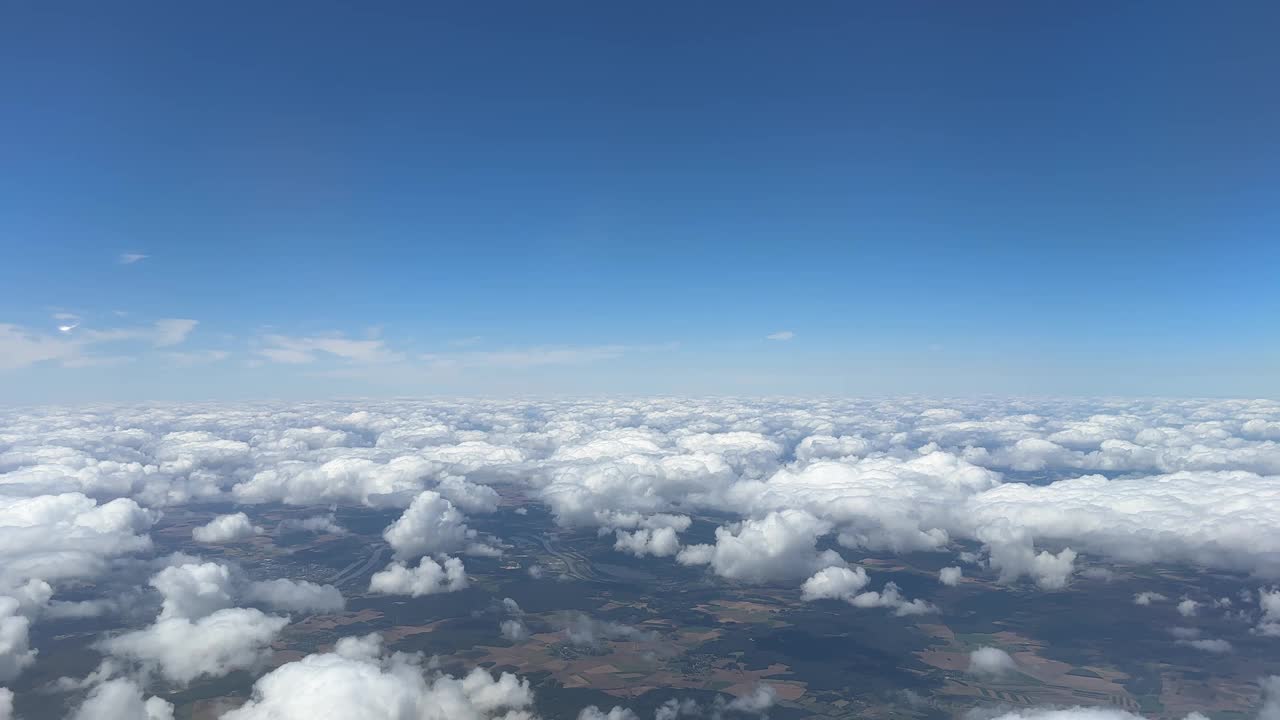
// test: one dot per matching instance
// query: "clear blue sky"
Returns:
(597, 197)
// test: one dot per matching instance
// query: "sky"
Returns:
(289, 200)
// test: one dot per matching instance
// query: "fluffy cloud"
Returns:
(756, 702)
(429, 525)
(779, 546)
(226, 528)
(69, 535)
(358, 680)
(296, 596)
(428, 578)
(513, 630)
(181, 649)
(839, 583)
(662, 542)
(122, 699)
(950, 575)
(991, 662)
(592, 712)
(6, 704)
(197, 633)
(1147, 597)
(15, 651)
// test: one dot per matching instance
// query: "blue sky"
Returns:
(591, 197)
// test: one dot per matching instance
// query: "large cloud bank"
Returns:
(1027, 490)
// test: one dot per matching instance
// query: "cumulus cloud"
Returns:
(1269, 602)
(1188, 607)
(991, 662)
(6, 704)
(779, 546)
(122, 699)
(662, 542)
(428, 578)
(303, 350)
(950, 576)
(182, 650)
(316, 524)
(591, 712)
(841, 583)
(513, 630)
(15, 651)
(429, 525)
(1147, 597)
(225, 529)
(197, 633)
(583, 630)
(357, 679)
(757, 702)
(65, 536)
(296, 596)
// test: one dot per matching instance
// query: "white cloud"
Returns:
(68, 535)
(1147, 597)
(428, 526)
(182, 650)
(591, 712)
(756, 702)
(15, 651)
(225, 529)
(660, 542)
(122, 699)
(1216, 646)
(302, 350)
(527, 357)
(193, 590)
(428, 578)
(779, 546)
(173, 331)
(6, 704)
(992, 662)
(357, 680)
(781, 335)
(950, 575)
(513, 630)
(296, 596)
(838, 583)
(1188, 607)
(130, 258)
(197, 633)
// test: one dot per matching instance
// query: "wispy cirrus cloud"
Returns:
(529, 357)
(780, 336)
(73, 344)
(130, 258)
(292, 350)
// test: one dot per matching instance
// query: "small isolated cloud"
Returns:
(172, 331)
(119, 699)
(296, 596)
(428, 578)
(226, 528)
(514, 630)
(992, 662)
(950, 575)
(302, 350)
(781, 336)
(130, 258)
